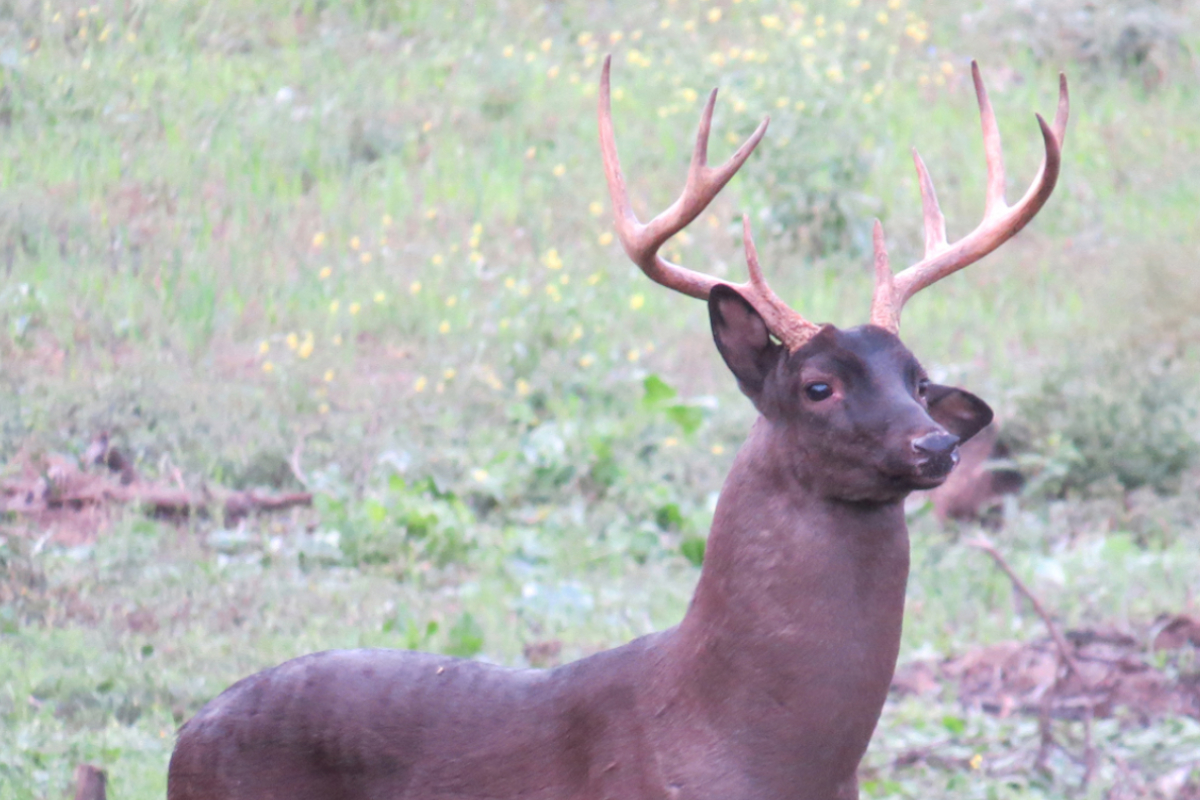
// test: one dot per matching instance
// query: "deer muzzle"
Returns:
(938, 454)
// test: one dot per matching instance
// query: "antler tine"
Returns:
(882, 311)
(935, 222)
(1000, 221)
(642, 241)
(791, 328)
(992, 150)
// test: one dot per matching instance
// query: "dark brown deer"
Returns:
(772, 684)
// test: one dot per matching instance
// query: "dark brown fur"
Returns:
(769, 688)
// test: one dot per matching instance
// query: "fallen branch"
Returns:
(1045, 732)
(53, 487)
(1064, 650)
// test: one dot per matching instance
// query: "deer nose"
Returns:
(936, 444)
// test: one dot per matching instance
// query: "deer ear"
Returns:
(959, 412)
(742, 339)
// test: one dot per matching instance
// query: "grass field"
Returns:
(370, 243)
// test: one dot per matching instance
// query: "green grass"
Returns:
(229, 228)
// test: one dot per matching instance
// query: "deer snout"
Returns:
(937, 454)
(935, 444)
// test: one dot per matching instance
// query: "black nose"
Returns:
(936, 444)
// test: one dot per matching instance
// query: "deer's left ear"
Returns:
(959, 412)
(742, 339)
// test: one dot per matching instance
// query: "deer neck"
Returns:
(794, 628)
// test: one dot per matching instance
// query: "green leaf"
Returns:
(693, 550)
(465, 639)
(956, 725)
(657, 391)
(688, 418)
(669, 517)
(375, 511)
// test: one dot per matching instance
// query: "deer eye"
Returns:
(922, 387)
(818, 391)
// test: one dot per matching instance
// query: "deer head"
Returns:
(861, 420)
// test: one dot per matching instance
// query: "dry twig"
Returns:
(1064, 649)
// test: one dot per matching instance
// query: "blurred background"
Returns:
(352, 266)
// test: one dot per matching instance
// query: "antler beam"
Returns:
(1000, 221)
(642, 241)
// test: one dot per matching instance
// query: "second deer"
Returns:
(772, 684)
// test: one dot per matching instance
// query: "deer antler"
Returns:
(1000, 221)
(642, 241)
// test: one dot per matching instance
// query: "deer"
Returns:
(773, 682)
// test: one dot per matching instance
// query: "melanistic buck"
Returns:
(772, 684)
